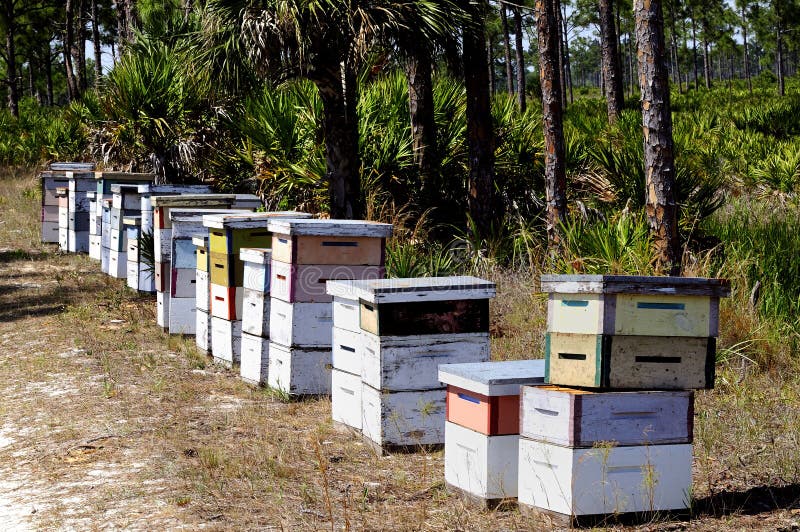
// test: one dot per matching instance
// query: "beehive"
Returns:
(482, 428)
(632, 332)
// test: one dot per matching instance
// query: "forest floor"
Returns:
(108, 423)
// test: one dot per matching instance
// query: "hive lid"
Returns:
(192, 200)
(413, 290)
(132, 220)
(633, 284)
(346, 228)
(250, 220)
(493, 378)
(256, 255)
(71, 167)
(197, 215)
(125, 176)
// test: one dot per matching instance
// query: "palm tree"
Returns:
(324, 42)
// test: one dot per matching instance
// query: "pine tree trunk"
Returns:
(341, 145)
(507, 49)
(612, 75)
(11, 64)
(567, 67)
(694, 50)
(674, 45)
(562, 69)
(480, 134)
(746, 53)
(48, 73)
(552, 116)
(490, 66)
(80, 45)
(98, 54)
(632, 78)
(706, 62)
(419, 76)
(520, 51)
(69, 41)
(661, 204)
(779, 58)
(122, 30)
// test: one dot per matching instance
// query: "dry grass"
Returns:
(107, 422)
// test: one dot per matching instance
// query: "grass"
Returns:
(114, 422)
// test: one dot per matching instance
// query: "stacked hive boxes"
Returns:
(588, 453)
(134, 200)
(407, 328)
(163, 244)
(306, 254)
(482, 431)
(62, 202)
(78, 185)
(139, 273)
(95, 226)
(202, 328)
(50, 180)
(101, 244)
(227, 235)
(255, 315)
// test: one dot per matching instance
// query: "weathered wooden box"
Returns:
(604, 480)
(299, 370)
(330, 242)
(226, 339)
(254, 364)
(199, 203)
(346, 314)
(403, 419)
(202, 332)
(95, 247)
(484, 467)
(634, 306)
(347, 351)
(225, 270)
(581, 418)
(255, 313)
(183, 283)
(226, 301)
(630, 362)
(484, 397)
(305, 283)
(202, 293)
(182, 315)
(228, 233)
(162, 309)
(300, 324)
(400, 363)
(257, 268)
(162, 277)
(118, 264)
(346, 405)
(77, 241)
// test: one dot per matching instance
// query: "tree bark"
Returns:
(561, 65)
(490, 66)
(507, 49)
(98, 54)
(779, 57)
(674, 46)
(419, 76)
(694, 50)
(661, 203)
(69, 41)
(706, 59)
(11, 61)
(48, 73)
(341, 145)
(520, 52)
(80, 45)
(746, 53)
(552, 117)
(480, 135)
(567, 67)
(612, 70)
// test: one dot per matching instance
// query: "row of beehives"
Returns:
(375, 346)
